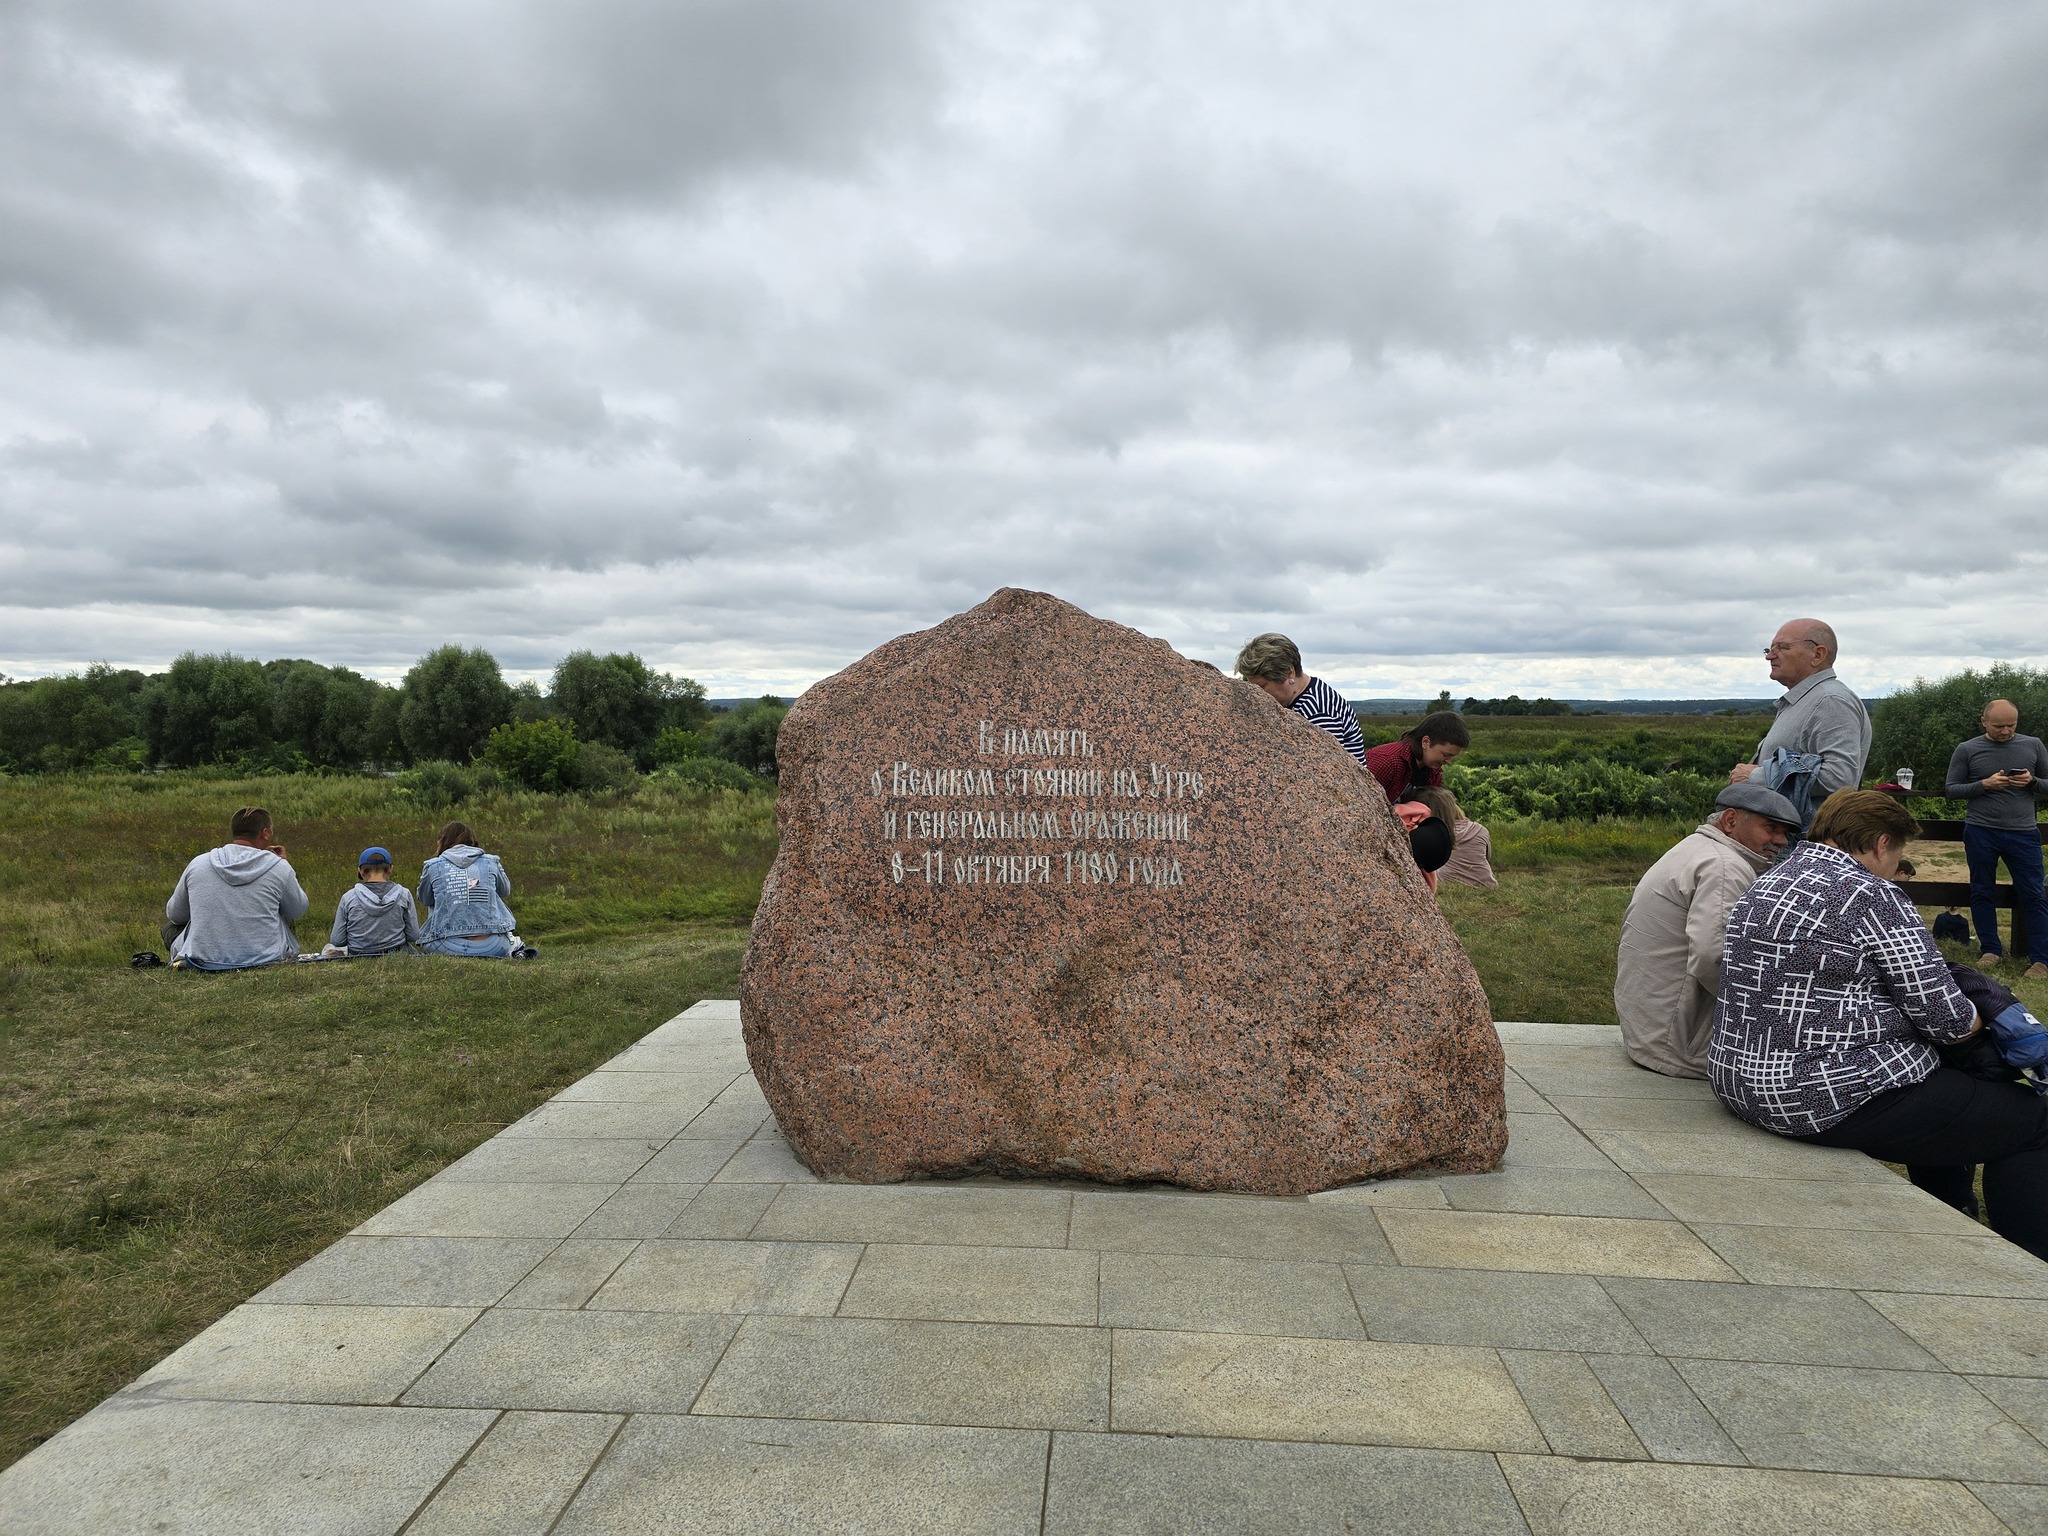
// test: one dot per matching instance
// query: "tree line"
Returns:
(598, 716)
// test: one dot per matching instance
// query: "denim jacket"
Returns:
(463, 891)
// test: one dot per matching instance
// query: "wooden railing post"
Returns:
(1956, 893)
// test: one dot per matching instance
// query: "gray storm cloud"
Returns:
(1564, 347)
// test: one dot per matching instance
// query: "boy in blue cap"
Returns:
(376, 916)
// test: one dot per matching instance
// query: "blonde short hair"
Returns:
(1273, 657)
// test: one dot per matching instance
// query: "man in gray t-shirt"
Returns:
(2003, 775)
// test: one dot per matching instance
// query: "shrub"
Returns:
(676, 745)
(439, 784)
(600, 768)
(746, 735)
(1579, 791)
(708, 773)
(453, 700)
(535, 754)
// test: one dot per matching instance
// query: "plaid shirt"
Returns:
(1831, 989)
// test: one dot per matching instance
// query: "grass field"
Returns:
(170, 1143)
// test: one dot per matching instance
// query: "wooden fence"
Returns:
(1956, 893)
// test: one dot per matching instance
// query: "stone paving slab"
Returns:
(635, 1310)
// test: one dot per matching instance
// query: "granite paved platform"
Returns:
(635, 1312)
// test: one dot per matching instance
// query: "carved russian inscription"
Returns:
(1007, 805)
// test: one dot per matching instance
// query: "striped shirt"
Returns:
(1831, 989)
(1319, 704)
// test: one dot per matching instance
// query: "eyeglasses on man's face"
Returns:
(1785, 645)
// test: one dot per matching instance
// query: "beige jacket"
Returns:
(1668, 972)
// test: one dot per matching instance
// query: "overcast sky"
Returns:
(1562, 348)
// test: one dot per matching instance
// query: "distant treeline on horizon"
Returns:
(291, 713)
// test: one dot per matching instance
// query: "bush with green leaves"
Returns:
(709, 773)
(536, 754)
(1578, 791)
(746, 735)
(676, 745)
(439, 784)
(453, 700)
(1921, 726)
(603, 769)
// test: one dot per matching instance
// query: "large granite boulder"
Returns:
(1053, 899)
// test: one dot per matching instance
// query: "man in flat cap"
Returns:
(1668, 972)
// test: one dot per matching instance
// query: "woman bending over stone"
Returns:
(1833, 998)
(463, 892)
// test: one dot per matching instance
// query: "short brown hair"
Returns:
(1855, 819)
(249, 821)
(454, 833)
(1273, 657)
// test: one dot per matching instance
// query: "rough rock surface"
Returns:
(1053, 899)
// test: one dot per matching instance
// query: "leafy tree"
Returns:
(453, 699)
(208, 709)
(324, 713)
(746, 735)
(535, 754)
(1919, 727)
(684, 705)
(529, 703)
(383, 742)
(1515, 704)
(74, 721)
(612, 699)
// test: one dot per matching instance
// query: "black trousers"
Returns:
(1943, 1127)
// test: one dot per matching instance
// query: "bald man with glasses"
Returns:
(1822, 731)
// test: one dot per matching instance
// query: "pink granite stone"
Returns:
(1053, 899)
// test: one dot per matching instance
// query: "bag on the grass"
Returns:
(145, 960)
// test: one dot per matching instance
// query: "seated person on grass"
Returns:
(375, 916)
(234, 907)
(463, 891)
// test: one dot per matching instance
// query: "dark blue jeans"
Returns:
(2021, 850)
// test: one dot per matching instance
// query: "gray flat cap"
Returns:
(1765, 802)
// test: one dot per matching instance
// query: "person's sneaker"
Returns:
(1990, 957)
(2036, 972)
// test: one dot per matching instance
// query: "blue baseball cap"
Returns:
(374, 856)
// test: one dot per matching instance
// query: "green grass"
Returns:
(86, 863)
(174, 1142)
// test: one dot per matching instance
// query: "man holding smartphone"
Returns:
(2004, 775)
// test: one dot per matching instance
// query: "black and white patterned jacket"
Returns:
(1831, 989)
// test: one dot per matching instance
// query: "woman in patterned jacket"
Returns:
(1832, 997)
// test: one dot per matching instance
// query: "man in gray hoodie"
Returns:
(233, 907)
